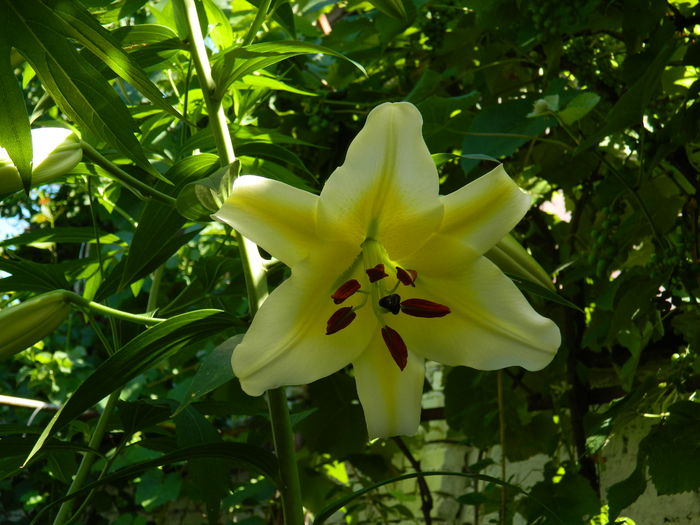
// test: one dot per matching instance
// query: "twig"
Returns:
(425, 496)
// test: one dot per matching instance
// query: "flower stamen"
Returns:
(407, 277)
(424, 308)
(376, 273)
(340, 319)
(345, 291)
(396, 346)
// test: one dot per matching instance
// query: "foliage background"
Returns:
(591, 105)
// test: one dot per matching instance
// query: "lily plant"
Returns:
(385, 273)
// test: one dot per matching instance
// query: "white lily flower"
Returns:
(386, 273)
(55, 151)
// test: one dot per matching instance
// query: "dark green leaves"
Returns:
(138, 355)
(82, 26)
(236, 63)
(674, 450)
(15, 135)
(77, 87)
(214, 371)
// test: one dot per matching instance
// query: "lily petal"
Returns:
(274, 215)
(387, 189)
(485, 210)
(390, 397)
(491, 324)
(287, 343)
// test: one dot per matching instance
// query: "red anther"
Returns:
(406, 277)
(345, 291)
(340, 319)
(396, 346)
(424, 308)
(376, 273)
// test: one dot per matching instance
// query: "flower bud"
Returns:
(56, 151)
(29, 322)
(512, 258)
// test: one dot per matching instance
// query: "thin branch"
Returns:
(425, 495)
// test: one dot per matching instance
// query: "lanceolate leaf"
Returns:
(214, 371)
(536, 289)
(28, 276)
(137, 356)
(15, 134)
(237, 63)
(60, 234)
(393, 8)
(77, 87)
(82, 26)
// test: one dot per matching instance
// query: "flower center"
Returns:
(382, 290)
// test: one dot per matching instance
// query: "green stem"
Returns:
(139, 188)
(88, 458)
(253, 270)
(155, 287)
(259, 19)
(111, 312)
(283, 438)
(217, 117)
(502, 436)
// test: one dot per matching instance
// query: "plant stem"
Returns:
(88, 458)
(283, 439)
(155, 287)
(425, 495)
(138, 187)
(253, 270)
(111, 312)
(259, 19)
(502, 435)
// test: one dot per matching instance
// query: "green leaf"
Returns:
(82, 26)
(630, 107)
(570, 500)
(150, 45)
(236, 63)
(76, 86)
(579, 107)
(337, 425)
(220, 30)
(393, 8)
(137, 356)
(674, 450)
(497, 131)
(158, 234)
(214, 371)
(536, 289)
(137, 415)
(248, 456)
(281, 13)
(623, 493)
(60, 234)
(335, 506)
(209, 477)
(29, 276)
(267, 82)
(118, 277)
(15, 133)
(271, 151)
